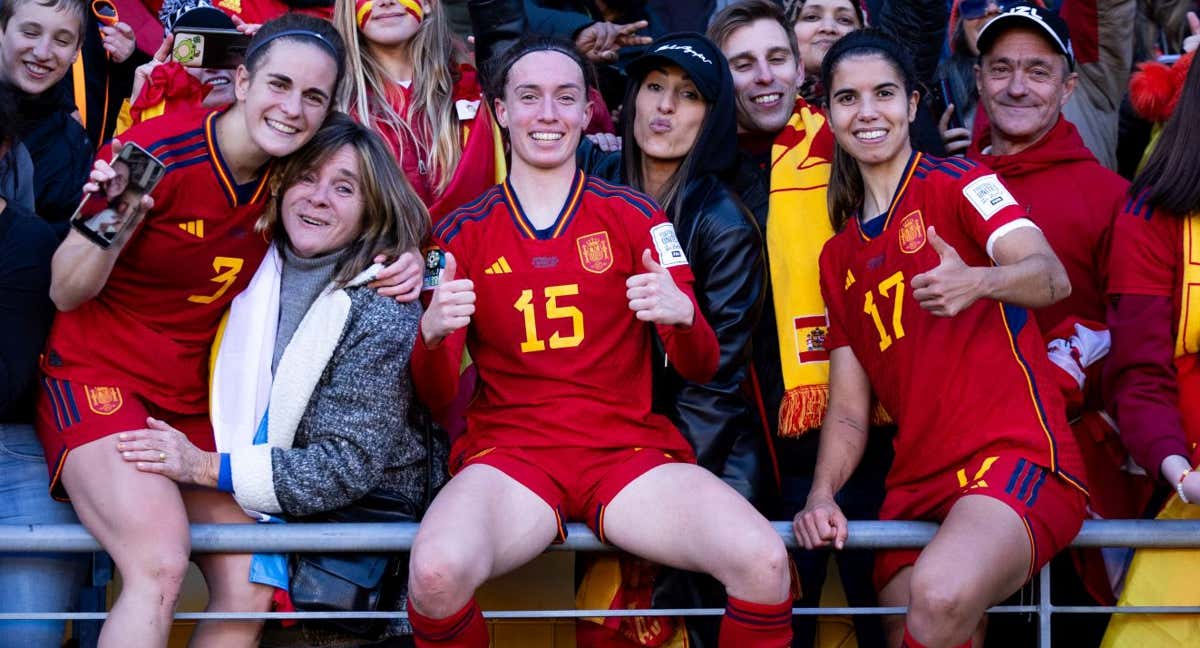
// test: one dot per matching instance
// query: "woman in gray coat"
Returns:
(310, 385)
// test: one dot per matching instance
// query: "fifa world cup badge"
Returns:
(435, 260)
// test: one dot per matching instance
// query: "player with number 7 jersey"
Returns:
(142, 345)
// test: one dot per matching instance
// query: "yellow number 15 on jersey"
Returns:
(554, 310)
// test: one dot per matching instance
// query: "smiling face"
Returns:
(389, 25)
(1023, 84)
(287, 96)
(765, 75)
(38, 46)
(544, 108)
(220, 82)
(869, 110)
(323, 211)
(670, 111)
(820, 24)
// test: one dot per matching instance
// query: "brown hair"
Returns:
(393, 218)
(1171, 178)
(740, 14)
(846, 192)
(77, 7)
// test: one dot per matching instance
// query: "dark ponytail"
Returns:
(846, 192)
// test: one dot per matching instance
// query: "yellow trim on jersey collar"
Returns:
(224, 175)
(906, 178)
(564, 218)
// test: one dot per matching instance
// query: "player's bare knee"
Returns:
(159, 571)
(439, 581)
(939, 602)
(757, 568)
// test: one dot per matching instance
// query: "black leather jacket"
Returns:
(725, 250)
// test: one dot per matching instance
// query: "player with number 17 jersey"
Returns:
(956, 386)
(142, 344)
(562, 360)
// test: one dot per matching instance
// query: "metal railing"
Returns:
(273, 538)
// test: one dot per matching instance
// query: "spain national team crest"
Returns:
(912, 232)
(595, 252)
(103, 400)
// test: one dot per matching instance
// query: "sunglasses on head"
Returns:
(973, 9)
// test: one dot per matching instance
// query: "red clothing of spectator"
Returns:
(260, 11)
(476, 169)
(1074, 200)
(1155, 396)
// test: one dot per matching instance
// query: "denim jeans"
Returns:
(33, 582)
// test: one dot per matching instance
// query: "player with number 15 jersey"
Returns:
(145, 338)
(562, 362)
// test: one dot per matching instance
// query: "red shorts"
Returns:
(577, 483)
(71, 414)
(1052, 508)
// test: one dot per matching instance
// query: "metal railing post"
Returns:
(1045, 607)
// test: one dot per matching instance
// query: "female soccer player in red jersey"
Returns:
(571, 274)
(928, 283)
(138, 319)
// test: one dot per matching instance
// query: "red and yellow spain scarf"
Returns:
(797, 227)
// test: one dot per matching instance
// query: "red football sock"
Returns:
(755, 625)
(463, 629)
(909, 642)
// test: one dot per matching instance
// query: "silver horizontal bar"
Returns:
(348, 537)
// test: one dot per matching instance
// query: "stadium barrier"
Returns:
(274, 538)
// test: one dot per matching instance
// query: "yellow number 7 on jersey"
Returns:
(227, 269)
(895, 281)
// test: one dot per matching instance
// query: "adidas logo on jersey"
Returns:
(499, 267)
(195, 228)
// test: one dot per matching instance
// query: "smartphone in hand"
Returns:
(202, 47)
(103, 215)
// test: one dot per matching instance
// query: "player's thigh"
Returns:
(484, 517)
(683, 516)
(227, 575)
(138, 517)
(981, 553)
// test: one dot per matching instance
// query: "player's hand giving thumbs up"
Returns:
(654, 297)
(451, 307)
(952, 286)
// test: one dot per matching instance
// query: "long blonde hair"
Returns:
(430, 118)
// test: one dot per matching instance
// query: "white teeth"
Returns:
(218, 82)
(282, 128)
(871, 134)
(312, 221)
(37, 69)
(768, 98)
(546, 137)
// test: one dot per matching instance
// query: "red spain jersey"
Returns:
(979, 381)
(562, 360)
(151, 326)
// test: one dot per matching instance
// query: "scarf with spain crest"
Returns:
(797, 227)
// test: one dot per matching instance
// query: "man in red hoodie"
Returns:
(1025, 76)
